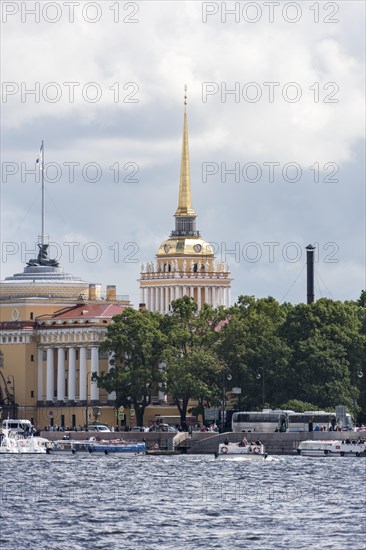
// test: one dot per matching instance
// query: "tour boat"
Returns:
(15, 443)
(92, 445)
(253, 450)
(126, 449)
(332, 448)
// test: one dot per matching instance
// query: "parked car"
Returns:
(98, 428)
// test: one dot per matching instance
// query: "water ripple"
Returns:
(91, 502)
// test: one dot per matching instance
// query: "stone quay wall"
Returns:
(276, 443)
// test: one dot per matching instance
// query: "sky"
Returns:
(276, 115)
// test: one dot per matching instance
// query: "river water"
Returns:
(182, 502)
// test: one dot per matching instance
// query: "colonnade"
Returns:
(74, 370)
(159, 297)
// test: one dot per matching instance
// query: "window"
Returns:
(31, 315)
(32, 395)
(32, 358)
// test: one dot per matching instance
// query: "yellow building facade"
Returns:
(51, 327)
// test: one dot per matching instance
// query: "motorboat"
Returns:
(95, 445)
(332, 447)
(13, 442)
(250, 450)
(126, 449)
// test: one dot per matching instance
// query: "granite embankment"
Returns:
(207, 442)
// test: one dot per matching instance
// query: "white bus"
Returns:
(316, 420)
(265, 421)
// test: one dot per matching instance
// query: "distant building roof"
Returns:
(94, 311)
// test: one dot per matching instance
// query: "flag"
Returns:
(40, 157)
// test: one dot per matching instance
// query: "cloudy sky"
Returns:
(276, 125)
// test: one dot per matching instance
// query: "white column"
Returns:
(50, 375)
(143, 295)
(229, 296)
(206, 295)
(161, 299)
(191, 291)
(82, 375)
(39, 374)
(214, 303)
(218, 296)
(111, 354)
(199, 293)
(60, 374)
(71, 389)
(151, 298)
(172, 293)
(166, 300)
(94, 391)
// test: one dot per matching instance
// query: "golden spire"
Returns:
(185, 199)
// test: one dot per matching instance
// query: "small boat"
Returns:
(15, 443)
(253, 450)
(106, 447)
(93, 445)
(332, 447)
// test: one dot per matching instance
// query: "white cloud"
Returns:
(166, 49)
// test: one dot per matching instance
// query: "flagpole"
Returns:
(42, 172)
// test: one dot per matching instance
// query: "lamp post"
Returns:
(225, 376)
(12, 381)
(260, 376)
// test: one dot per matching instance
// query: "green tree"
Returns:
(192, 365)
(255, 353)
(327, 353)
(137, 343)
(299, 406)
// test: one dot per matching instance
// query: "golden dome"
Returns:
(193, 247)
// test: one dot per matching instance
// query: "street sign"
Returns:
(121, 409)
(121, 416)
(132, 412)
(50, 414)
(211, 413)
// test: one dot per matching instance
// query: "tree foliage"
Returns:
(312, 354)
(193, 367)
(136, 342)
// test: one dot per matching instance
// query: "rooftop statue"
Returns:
(42, 258)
